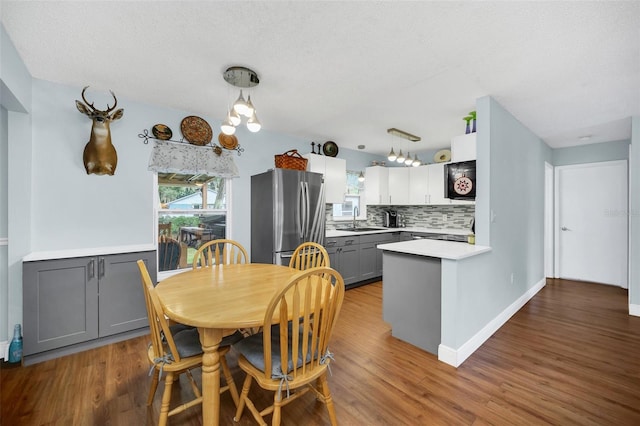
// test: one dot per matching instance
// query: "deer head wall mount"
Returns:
(100, 155)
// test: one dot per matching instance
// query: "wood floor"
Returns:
(571, 356)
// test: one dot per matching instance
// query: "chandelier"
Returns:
(400, 158)
(244, 78)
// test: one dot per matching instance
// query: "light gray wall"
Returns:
(4, 250)
(634, 204)
(592, 153)
(510, 176)
(15, 98)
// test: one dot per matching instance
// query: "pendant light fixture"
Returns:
(361, 177)
(392, 155)
(400, 158)
(244, 78)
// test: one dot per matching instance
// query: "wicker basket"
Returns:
(291, 160)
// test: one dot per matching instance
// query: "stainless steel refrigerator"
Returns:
(287, 209)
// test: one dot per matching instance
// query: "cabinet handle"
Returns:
(331, 243)
(101, 267)
(348, 242)
(91, 269)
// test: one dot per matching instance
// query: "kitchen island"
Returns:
(411, 291)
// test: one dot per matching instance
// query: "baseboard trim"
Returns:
(4, 350)
(634, 310)
(456, 357)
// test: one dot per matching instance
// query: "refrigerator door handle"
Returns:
(317, 228)
(301, 211)
(307, 211)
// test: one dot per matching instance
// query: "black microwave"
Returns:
(460, 180)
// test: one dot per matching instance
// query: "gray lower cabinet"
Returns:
(68, 302)
(357, 258)
(344, 256)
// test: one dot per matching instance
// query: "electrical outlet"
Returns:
(444, 217)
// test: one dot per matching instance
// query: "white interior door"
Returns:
(591, 230)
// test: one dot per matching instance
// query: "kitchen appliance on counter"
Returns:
(287, 209)
(390, 219)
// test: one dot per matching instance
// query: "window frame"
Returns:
(157, 210)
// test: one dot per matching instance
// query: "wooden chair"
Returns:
(175, 350)
(315, 297)
(164, 229)
(172, 254)
(309, 255)
(220, 252)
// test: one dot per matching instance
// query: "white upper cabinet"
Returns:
(399, 186)
(376, 184)
(436, 184)
(463, 148)
(419, 181)
(335, 175)
(427, 185)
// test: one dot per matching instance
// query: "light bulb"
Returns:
(392, 155)
(416, 161)
(361, 177)
(240, 106)
(234, 117)
(253, 124)
(227, 126)
(409, 160)
(400, 158)
(250, 108)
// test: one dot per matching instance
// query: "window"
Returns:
(191, 211)
(355, 189)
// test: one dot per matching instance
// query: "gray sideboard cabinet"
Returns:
(73, 304)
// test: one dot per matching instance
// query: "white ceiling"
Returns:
(346, 70)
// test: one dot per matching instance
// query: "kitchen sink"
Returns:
(360, 229)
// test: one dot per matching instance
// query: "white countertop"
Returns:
(449, 231)
(435, 248)
(66, 254)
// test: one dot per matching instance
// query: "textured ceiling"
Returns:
(347, 71)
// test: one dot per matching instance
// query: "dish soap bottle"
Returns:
(15, 348)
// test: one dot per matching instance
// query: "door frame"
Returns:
(549, 220)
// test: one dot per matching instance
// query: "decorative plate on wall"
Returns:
(228, 141)
(162, 132)
(330, 149)
(196, 130)
(442, 156)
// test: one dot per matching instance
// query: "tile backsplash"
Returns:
(458, 216)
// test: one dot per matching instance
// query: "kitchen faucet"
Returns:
(356, 213)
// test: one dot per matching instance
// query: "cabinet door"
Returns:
(60, 303)
(376, 185)
(463, 148)
(368, 266)
(349, 263)
(399, 185)
(122, 306)
(419, 185)
(335, 180)
(334, 171)
(436, 184)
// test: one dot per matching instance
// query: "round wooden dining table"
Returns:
(218, 298)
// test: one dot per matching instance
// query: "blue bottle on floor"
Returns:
(15, 348)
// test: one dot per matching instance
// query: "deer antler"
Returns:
(114, 105)
(90, 105)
